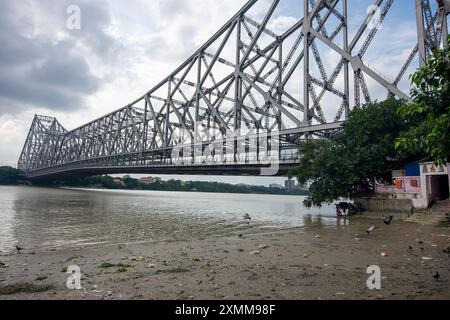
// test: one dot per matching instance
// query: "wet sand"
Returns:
(313, 263)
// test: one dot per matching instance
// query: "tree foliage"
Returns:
(175, 185)
(10, 176)
(428, 116)
(361, 152)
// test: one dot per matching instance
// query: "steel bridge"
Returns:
(254, 92)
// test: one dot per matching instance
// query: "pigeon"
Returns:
(388, 220)
(437, 276)
(371, 229)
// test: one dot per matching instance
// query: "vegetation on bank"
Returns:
(11, 176)
(176, 185)
(380, 137)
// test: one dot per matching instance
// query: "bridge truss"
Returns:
(251, 77)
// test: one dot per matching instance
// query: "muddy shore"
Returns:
(313, 263)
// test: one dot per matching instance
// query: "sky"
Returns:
(123, 48)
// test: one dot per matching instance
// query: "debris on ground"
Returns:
(137, 259)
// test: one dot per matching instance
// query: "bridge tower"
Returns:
(432, 28)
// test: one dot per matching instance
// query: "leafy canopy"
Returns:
(428, 116)
(362, 151)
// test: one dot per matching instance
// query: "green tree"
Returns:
(9, 175)
(362, 151)
(428, 116)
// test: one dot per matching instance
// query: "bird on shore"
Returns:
(437, 276)
(18, 248)
(247, 218)
(388, 220)
(447, 251)
(371, 229)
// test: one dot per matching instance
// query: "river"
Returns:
(52, 218)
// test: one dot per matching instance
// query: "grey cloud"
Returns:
(44, 71)
(172, 8)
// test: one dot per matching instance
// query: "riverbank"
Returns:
(303, 263)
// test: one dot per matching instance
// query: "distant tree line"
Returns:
(107, 182)
(11, 176)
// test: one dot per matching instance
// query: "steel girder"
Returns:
(240, 80)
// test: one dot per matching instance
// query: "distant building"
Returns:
(118, 181)
(243, 185)
(149, 180)
(421, 185)
(290, 184)
(276, 186)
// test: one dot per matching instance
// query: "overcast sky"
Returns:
(124, 48)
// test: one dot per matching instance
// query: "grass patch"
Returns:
(444, 223)
(106, 265)
(41, 278)
(175, 270)
(120, 266)
(23, 288)
(121, 269)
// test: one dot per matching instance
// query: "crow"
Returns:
(388, 220)
(437, 276)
